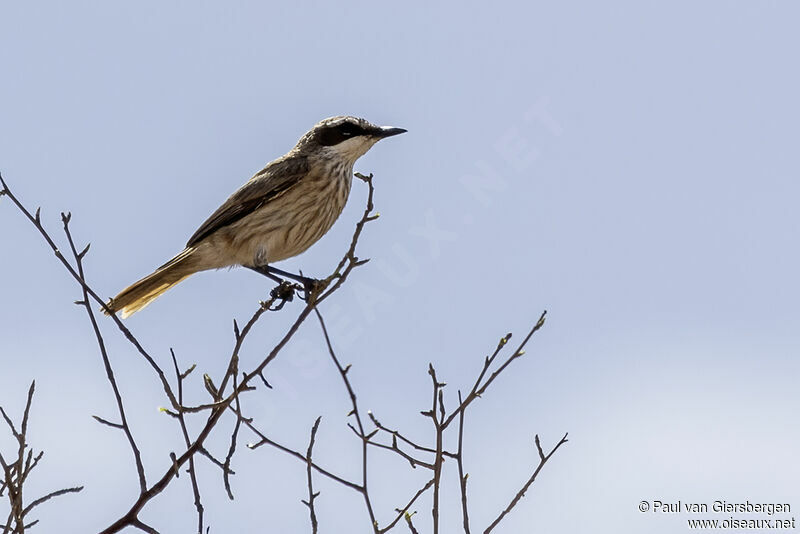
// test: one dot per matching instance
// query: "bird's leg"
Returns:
(306, 281)
(312, 286)
(283, 291)
(266, 272)
(278, 275)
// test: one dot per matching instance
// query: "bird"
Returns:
(278, 213)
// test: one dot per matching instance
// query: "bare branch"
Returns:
(404, 511)
(521, 493)
(439, 433)
(410, 523)
(222, 402)
(198, 504)
(36, 221)
(462, 478)
(478, 389)
(264, 440)
(15, 473)
(311, 495)
(49, 496)
(354, 411)
(123, 425)
(228, 395)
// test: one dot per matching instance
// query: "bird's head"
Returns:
(344, 137)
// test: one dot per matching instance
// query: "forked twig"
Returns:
(15, 473)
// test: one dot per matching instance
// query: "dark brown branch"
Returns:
(478, 389)
(264, 440)
(355, 412)
(225, 398)
(410, 524)
(123, 424)
(398, 435)
(414, 462)
(143, 527)
(543, 458)
(106, 422)
(198, 504)
(211, 422)
(237, 408)
(239, 337)
(404, 511)
(36, 221)
(462, 478)
(331, 284)
(350, 261)
(439, 433)
(232, 372)
(49, 496)
(202, 451)
(311, 495)
(15, 473)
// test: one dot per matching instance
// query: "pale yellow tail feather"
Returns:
(146, 299)
(141, 293)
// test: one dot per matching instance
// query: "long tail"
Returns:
(139, 294)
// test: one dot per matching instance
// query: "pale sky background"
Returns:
(642, 158)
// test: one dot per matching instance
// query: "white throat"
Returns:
(352, 149)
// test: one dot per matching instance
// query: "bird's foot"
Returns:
(283, 292)
(312, 288)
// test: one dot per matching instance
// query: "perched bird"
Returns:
(280, 212)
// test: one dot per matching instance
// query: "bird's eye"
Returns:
(336, 134)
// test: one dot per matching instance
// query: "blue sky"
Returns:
(629, 166)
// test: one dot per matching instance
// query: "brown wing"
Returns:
(267, 184)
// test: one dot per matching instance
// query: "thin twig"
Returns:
(478, 389)
(264, 440)
(462, 478)
(414, 462)
(396, 434)
(198, 504)
(49, 496)
(123, 424)
(226, 471)
(225, 398)
(350, 261)
(404, 511)
(331, 284)
(357, 414)
(16, 473)
(439, 432)
(543, 458)
(36, 221)
(311, 495)
(211, 422)
(410, 523)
